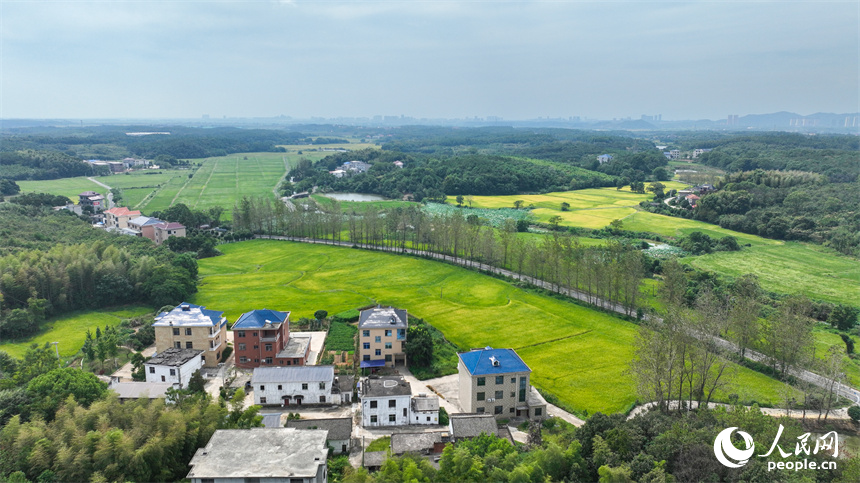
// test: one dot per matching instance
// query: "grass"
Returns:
(70, 330)
(824, 339)
(69, 187)
(381, 444)
(578, 354)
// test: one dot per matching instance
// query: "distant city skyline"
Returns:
(507, 60)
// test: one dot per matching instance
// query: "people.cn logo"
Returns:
(725, 451)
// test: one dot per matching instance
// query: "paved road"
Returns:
(815, 379)
(840, 413)
(109, 196)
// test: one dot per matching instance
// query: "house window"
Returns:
(241, 346)
(322, 399)
(304, 386)
(522, 389)
(372, 404)
(322, 385)
(207, 480)
(512, 411)
(388, 333)
(365, 333)
(279, 387)
(187, 331)
(497, 410)
(152, 370)
(481, 396)
(254, 334)
(162, 379)
(377, 352)
(268, 360)
(268, 347)
(388, 345)
(373, 419)
(482, 381)
(365, 357)
(513, 380)
(178, 345)
(366, 345)
(256, 346)
(500, 379)
(387, 357)
(428, 418)
(175, 331)
(480, 411)
(392, 403)
(538, 412)
(262, 400)
(173, 372)
(513, 393)
(262, 388)
(243, 359)
(500, 394)
(377, 339)
(392, 418)
(189, 345)
(240, 333)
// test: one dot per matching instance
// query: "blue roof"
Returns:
(257, 319)
(479, 362)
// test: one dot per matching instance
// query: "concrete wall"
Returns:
(208, 339)
(421, 417)
(181, 376)
(396, 352)
(469, 392)
(401, 411)
(311, 395)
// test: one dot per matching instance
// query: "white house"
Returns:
(385, 401)
(174, 366)
(339, 431)
(425, 409)
(604, 158)
(298, 385)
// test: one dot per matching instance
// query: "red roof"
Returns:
(122, 211)
(170, 226)
(693, 197)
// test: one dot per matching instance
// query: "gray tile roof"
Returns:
(271, 420)
(338, 428)
(414, 442)
(260, 453)
(173, 357)
(292, 374)
(468, 425)
(374, 458)
(385, 386)
(383, 318)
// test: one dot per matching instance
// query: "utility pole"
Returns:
(57, 348)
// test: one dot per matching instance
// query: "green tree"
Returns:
(419, 346)
(196, 384)
(49, 390)
(554, 221)
(843, 317)
(518, 204)
(565, 206)
(320, 315)
(460, 200)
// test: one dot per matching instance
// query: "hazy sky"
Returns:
(515, 59)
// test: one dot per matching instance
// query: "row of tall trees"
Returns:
(610, 273)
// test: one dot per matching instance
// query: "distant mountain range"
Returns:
(777, 121)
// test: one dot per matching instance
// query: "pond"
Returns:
(353, 197)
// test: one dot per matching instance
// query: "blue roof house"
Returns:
(498, 382)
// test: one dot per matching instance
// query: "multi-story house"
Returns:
(190, 326)
(117, 218)
(93, 200)
(497, 382)
(144, 225)
(299, 385)
(174, 366)
(382, 336)
(262, 338)
(385, 401)
(267, 455)
(164, 230)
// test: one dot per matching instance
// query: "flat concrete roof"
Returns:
(261, 453)
(383, 318)
(296, 347)
(173, 357)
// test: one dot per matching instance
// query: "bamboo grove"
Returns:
(610, 275)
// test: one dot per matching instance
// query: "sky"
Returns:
(426, 59)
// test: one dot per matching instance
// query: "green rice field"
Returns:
(70, 330)
(69, 187)
(577, 354)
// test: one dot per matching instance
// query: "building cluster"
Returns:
(695, 193)
(493, 384)
(131, 222)
(126, 164)
(349, 168)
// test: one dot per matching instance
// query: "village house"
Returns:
(190, 326)
(173, 365)
(425, 409)
(427, 443)
(164, 230)
(93, 200)
(262, 337)
(128, 390)
(699, 152)
(382, 336)
(300, 385)
(385, 401)
(463, 426)
(497, 382)
(339, 431)
(604, 158)
(282, 455)
(356, 166)
(117, 218)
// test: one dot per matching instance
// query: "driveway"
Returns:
(124, 372)
(446, 387)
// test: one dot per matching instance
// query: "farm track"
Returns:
(203, 189)
(553, 340)
(808, 376)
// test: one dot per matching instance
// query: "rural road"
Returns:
(109, 196)
(808, 376)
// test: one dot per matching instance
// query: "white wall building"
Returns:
(297, 386)
(174, 366)
(425, 409)
(386, 401)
